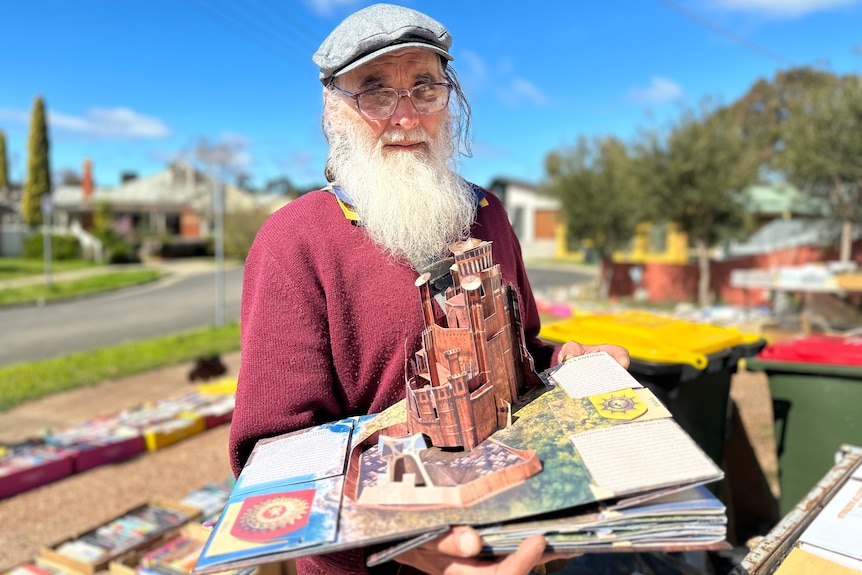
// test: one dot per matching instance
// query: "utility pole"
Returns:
(47, 210)
(220, 160)
(218, 212)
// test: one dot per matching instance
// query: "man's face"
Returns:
(402, 69)
(399, 172)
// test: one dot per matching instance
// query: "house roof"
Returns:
(177, 186)
(505, 181)
(781, 199)
(783, 234)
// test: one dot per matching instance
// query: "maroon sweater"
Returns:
(328, 321)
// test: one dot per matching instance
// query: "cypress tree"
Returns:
(4, 165)
(38, 182)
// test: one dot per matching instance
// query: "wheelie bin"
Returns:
(816, 387)
(687, 365)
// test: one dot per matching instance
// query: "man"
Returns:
(330, 309)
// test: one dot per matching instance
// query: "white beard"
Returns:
(412, 204)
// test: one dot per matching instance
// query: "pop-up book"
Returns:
(583, 453)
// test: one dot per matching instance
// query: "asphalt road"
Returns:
(180, 302)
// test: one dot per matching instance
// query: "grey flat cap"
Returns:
(375, 31)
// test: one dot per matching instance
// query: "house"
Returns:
(178, 201)
(534, 216)
(780, 200)
(789, 231)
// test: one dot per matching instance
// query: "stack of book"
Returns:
(210, 498)
(32, 465)
(99, 441)
(135, 529)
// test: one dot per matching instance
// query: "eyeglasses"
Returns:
(380, 103)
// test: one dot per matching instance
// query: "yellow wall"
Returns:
(676, 247)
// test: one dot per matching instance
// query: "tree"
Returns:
(822, 151)
(4, 164)
(281, 186)
(762, 111)
(69, 177)
(696, 179)
(599, 195)
(38, 182)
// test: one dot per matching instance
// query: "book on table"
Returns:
(589, 457)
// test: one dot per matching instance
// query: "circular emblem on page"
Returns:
(273, 514)
(623, 404)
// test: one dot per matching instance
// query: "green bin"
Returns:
(816, 387)
(687, 365)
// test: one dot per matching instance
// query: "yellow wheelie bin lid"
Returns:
(654, 338)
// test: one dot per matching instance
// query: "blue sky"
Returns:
(133, 84)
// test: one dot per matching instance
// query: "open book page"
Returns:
(836, 532)
(275, 520)
(592, 374)
(286, 458)
(284, 499)
(623, 458)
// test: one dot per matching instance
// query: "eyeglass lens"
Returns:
(381, 104)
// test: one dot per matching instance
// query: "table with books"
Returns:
(822, 533)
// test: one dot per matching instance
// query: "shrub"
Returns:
(62, 247)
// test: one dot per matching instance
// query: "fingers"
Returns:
(620, 354)
(572, 349)
(529, 554)
(455, 554)
(461, 541)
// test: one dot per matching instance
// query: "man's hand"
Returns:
(572, 349)
(455, 554)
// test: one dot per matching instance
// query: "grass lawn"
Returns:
(11, 268)
(67, 289)
(24, 382)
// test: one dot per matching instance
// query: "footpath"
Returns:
(30, 420)
(174, 266)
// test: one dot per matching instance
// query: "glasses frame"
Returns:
(405, 92)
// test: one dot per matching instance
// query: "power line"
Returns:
(726, 33)
(308, 34)
(256, 15)
(251, 33)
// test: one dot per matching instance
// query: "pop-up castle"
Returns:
(470, 372)
(464, 381)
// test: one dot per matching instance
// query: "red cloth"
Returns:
(327, 323)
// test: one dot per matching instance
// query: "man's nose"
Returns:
(405, 114)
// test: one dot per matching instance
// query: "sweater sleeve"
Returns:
(286, 375)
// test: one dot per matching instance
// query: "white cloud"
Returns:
(327, 7)
(471, 66)
(782, 8)
(512, 90)
(14, 115)
(101, 123)
(660, 91)
(111, 124)
(520, 90)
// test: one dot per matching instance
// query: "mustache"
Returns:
(397, 135)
